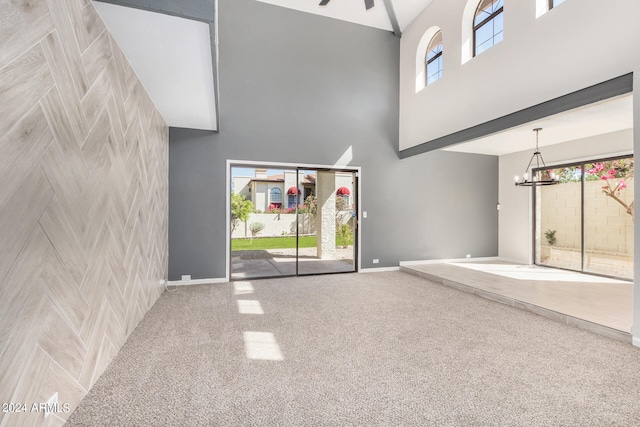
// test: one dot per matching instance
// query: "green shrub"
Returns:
(550, 235)
(345, 235)
(256, 227)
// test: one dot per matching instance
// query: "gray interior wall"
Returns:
(300, 88)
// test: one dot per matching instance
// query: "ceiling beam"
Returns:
(393, 18)
(599, 92)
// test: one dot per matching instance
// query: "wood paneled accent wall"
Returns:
(83, 203)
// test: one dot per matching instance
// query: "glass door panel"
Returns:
(558, 233)
(327, 223)
(608, 219)
(263, 222)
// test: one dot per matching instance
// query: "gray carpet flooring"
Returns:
(377, 349)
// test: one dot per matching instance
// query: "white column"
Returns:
(326, 218)
(289, 181)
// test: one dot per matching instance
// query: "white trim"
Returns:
(440, 261)
(378, 269)
(359, 218)
(285, 165)
(197, 282)
(281, 165)
(227, 267)
(635, 341)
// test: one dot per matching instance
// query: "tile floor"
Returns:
(599, 304)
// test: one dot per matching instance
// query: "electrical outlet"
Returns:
(186, 277)
(468, 255)
(376, 260)
(52, 405)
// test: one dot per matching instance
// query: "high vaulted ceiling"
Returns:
(354, 11)
(173, 58)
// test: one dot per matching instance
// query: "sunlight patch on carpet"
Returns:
(242, 288)
(261, 346)
(249, 307)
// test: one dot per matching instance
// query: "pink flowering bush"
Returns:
(615, 174)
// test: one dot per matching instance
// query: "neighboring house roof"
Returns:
(271, 178)
(309, 179)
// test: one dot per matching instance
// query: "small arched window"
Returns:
(488, 25)
(276, 195)
(434, 59)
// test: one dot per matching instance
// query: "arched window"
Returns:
(276, 195)
(343, 193)
(434, 59)
(488, 25)
(422, 58)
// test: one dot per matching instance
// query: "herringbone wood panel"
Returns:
(83, 203)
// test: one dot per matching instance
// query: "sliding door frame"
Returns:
(582, 164)
(356, 170)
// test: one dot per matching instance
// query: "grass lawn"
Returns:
(275, 243)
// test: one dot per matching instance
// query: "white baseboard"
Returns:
(378, 269)
(440, 261)
(635, 341)
(197, 282)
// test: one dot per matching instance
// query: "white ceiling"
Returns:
(595, 119)
(354, 11)
(172, 58)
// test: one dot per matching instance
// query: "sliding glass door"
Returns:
(585, 223)
(292, 221)
(327, 244)
(558, 234)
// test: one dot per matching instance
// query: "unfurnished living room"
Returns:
(319, 212)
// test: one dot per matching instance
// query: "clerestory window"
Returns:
(434, 59)
(488, 25)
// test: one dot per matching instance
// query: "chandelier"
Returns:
(536, 178)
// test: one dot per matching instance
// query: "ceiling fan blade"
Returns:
(368, 4)
(324, 2)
